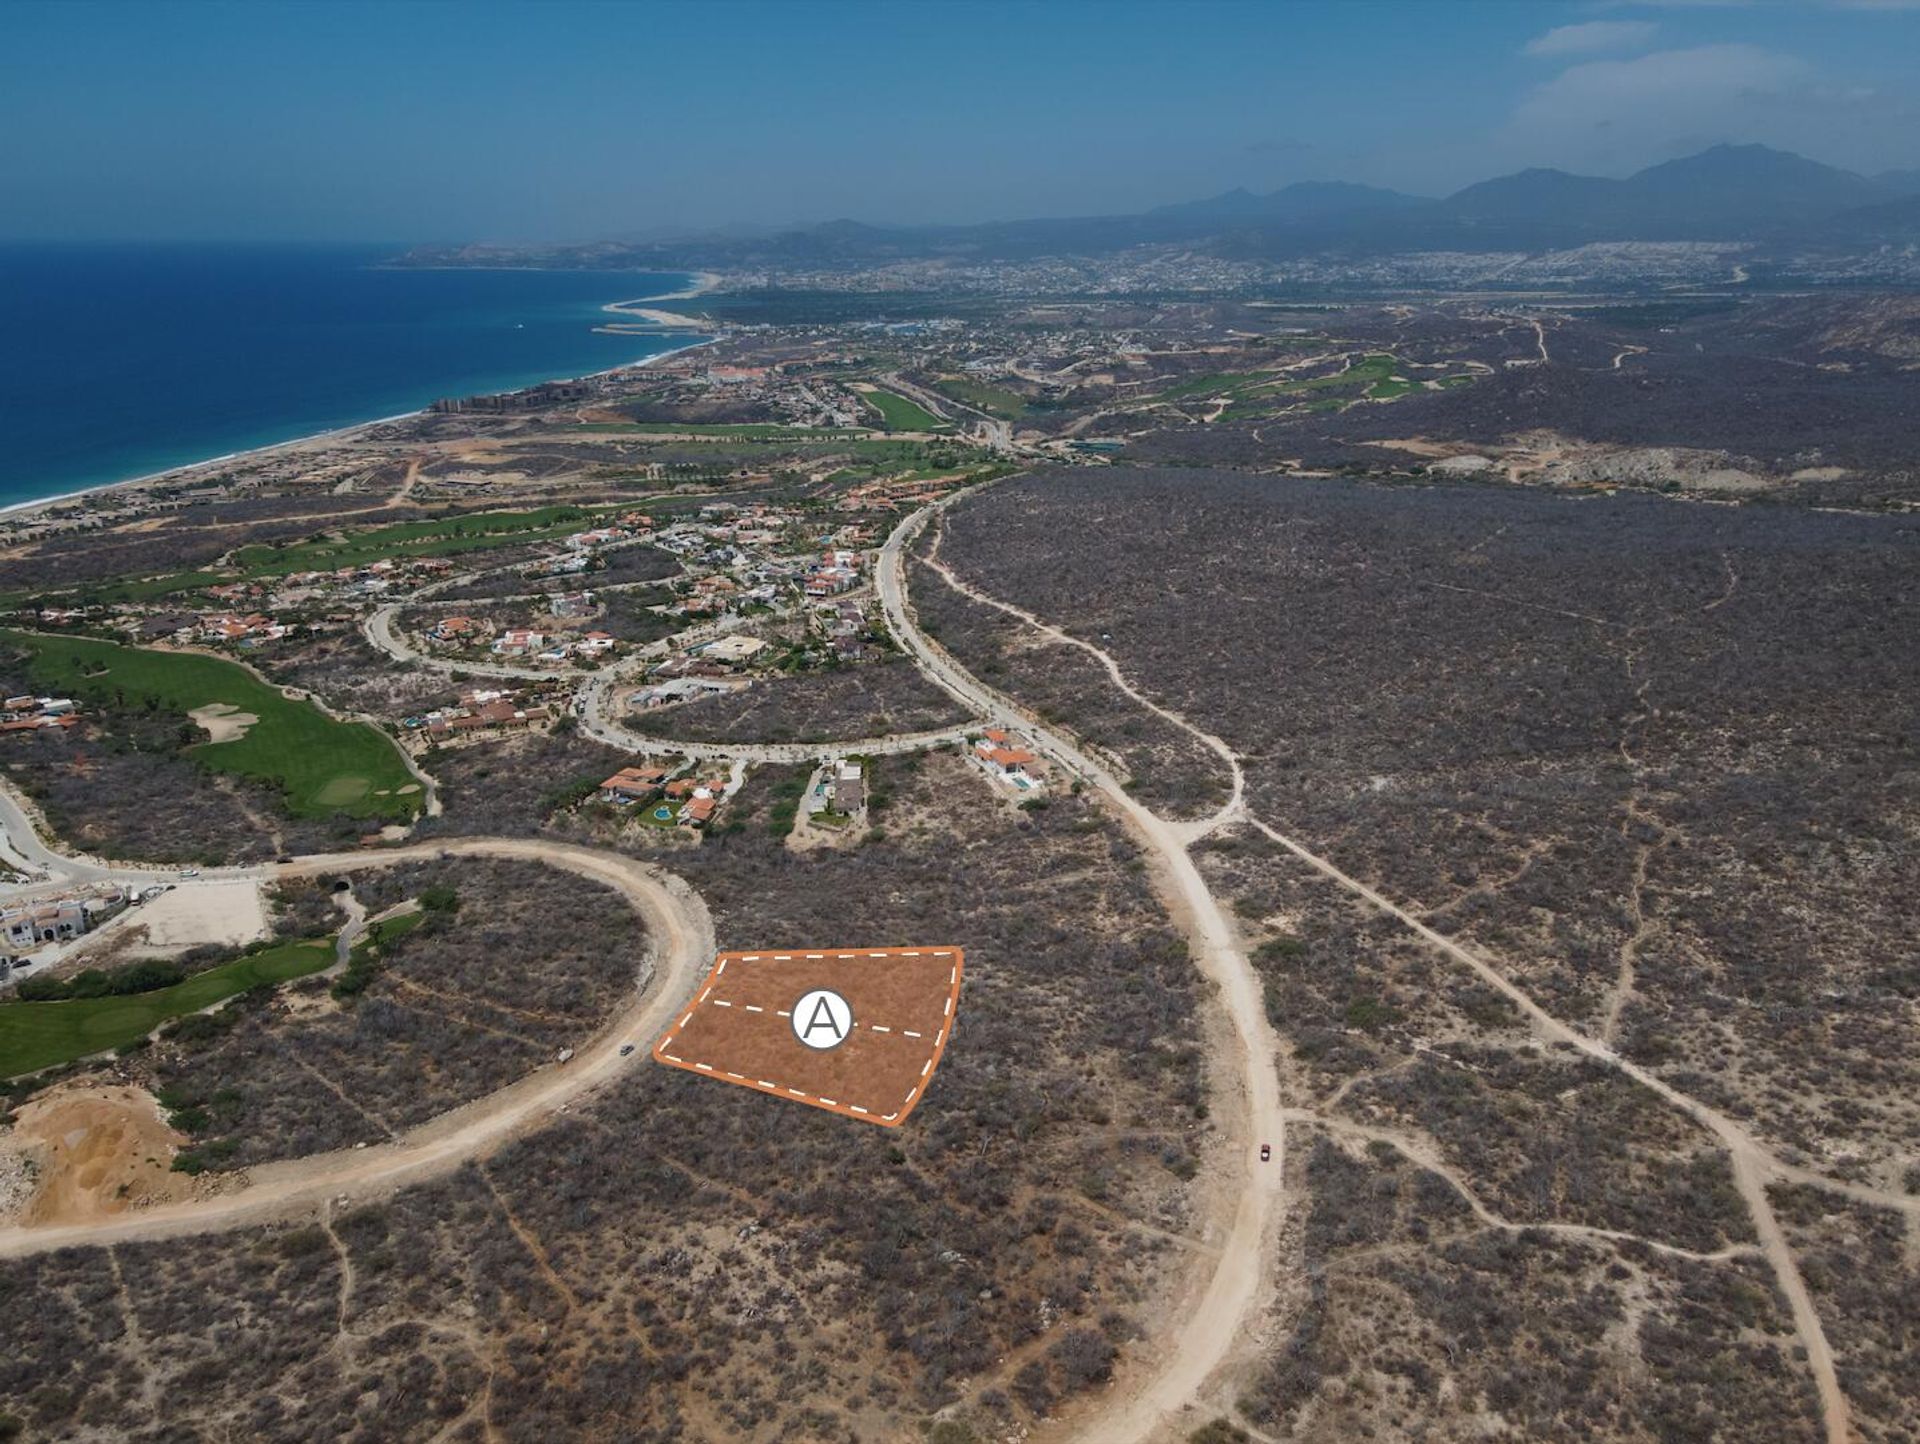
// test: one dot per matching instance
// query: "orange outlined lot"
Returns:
(739, 1027)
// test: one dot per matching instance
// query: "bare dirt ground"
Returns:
(96, 1152)
(225, 914)
(903, 1000)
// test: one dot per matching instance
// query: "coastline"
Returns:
(704, 281)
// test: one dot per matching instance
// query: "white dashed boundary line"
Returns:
(764, 1085)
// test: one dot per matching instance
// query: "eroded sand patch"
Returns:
(96, 1152)
(224, 721)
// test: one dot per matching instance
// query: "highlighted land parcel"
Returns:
(857, 1031)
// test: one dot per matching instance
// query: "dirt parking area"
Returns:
(227, 914)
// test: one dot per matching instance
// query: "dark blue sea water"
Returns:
(117, 361)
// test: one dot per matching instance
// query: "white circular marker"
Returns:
(822, 1019)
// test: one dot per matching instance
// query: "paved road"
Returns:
(681, 945)
(379, 630)
(598, 722)
(48, 870)
(1217, 1319)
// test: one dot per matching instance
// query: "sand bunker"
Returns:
(224, 721)
(97, 1151)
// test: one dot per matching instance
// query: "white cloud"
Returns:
(1730, 92)
(1593, 37)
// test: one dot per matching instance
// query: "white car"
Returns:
(189, 872)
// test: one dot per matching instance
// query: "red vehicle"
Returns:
(1266, 1153)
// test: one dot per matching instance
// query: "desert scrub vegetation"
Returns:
(1378, 1031)
(342, 668)
(871, 699)
(1164, 766)
(501, 965)
(1859, 1262)
(1411, 1317)
(1653, 759)
(674, 1259)
(513, 786)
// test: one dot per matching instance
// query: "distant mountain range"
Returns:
(1728, 193)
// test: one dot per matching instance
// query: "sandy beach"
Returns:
(656, 322)
(705, 281)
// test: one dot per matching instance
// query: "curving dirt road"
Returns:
(1215, 1319)
(681, 944)
(1754, 1167)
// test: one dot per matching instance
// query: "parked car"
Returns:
(626, 1049)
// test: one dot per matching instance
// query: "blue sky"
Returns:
(559, 120)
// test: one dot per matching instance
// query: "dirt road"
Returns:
(1215, 1318)
(1212, 1332)
(681, 943)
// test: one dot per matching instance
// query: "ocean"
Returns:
(118, 361)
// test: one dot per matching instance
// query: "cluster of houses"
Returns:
(531, 643)
(244, 631)
(31, 925)
(845, 626)
(837, 571)
(375, 579)
(730, 550)
(551, 647)
(486, 712)
(30, 714)
(895, 493)
(738, 555)
(686, 801)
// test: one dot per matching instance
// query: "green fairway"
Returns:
(899, 414)
(1367, 371)
(994, 400)
(1214, 383)
(447, 536)
(724, 431)
(477, 531)
(43, 1035)
(323, 766)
